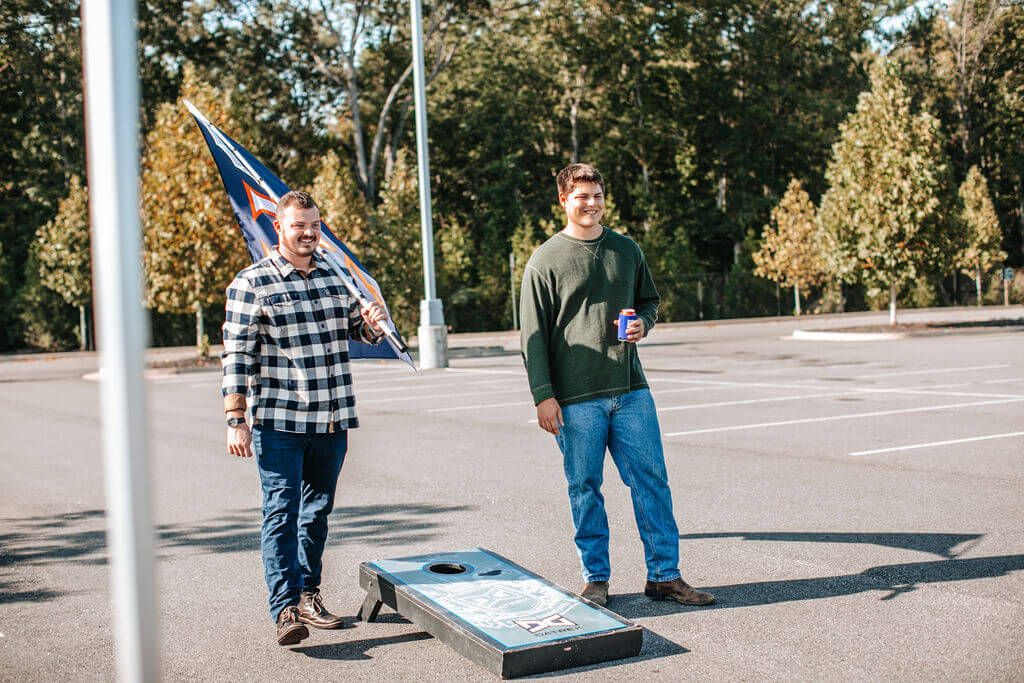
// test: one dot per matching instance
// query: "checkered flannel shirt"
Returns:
(286, 347)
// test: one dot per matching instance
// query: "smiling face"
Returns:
(298, 234)
(584, 206)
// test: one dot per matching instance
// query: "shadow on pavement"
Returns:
(355, 650)
(937, 544)
(895, 578)
(10, 592)
(654, 647)
(80, 537)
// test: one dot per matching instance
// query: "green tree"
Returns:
(888, 192)
(348, 65)
(342, 205)
(41, 147)
(983, 236)
(192, 245)
(391, 251)
(790, 252)
(62, 246)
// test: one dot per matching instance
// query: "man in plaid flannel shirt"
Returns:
(286, 330)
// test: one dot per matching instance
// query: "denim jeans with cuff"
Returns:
(298, 475)
(626, 426)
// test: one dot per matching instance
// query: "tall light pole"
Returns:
(433, 335)
(111, 107)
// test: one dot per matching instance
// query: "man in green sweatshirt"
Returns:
(589, 387)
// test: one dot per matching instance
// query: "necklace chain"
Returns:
(597, 245)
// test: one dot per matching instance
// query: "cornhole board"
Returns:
(496, 613)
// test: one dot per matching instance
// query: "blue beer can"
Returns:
(626, 316)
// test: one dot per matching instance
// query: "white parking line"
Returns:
(400, 387)
(833, 394)
(718, 404)
(518, 373)
(852, 416)
(938, 443)
(524, 402)
(933, 371)
(183, 377)
(429, 396)
(1003, 381)
(725, 383)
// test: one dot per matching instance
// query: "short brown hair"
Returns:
(299, 198)
(570, 176)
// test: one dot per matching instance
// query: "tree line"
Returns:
(734, 135)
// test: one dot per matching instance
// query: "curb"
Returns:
(818, 335)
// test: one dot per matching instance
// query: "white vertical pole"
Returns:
(433, 335)
(112, 101)
(512, 282)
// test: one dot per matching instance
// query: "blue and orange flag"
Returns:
(253, 192)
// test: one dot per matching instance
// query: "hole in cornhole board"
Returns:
(447, 568)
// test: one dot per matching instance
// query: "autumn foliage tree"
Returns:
(339, 199)
(192, 245)
(983, 236)
(885, 212)
(391, 250)
(791, 253)
(62, 249)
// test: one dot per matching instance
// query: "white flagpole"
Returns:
(112, 101)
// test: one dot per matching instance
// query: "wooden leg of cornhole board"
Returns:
(370, 608)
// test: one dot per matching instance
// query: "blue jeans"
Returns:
(298, 474)
(627, 426)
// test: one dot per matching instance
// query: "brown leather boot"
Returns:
(311, 611)
(289, 629)
(677, 590)
(596, 592)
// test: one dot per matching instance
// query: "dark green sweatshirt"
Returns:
(572, 292)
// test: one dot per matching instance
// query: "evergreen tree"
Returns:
(888, 192)
(790, 252)
(192, 245)
(62, 248)
(983, 236)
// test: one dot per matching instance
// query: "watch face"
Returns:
(235, 421)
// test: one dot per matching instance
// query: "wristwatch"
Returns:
(235, 421)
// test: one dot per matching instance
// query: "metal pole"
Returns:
(433, 334)
(512, 282)
(112, 101)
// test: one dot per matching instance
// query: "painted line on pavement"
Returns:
(725, 383)
(938, 443)
(518, 373)
(434, 396)
(933, 371)
(524, 402)
(852, 416)
(397, 387)
(718, 404)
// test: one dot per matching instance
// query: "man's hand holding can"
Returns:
(630, 327)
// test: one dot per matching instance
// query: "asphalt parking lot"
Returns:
(857, 508)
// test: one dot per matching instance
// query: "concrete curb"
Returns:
(821, 335)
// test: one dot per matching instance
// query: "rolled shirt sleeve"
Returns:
(241, 342)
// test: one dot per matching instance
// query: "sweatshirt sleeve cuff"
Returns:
(542, 393)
